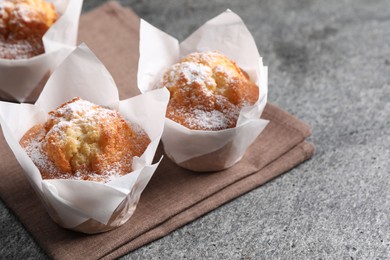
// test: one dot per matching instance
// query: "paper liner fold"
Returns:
(195, 149)
(22, 80)
(87, 206)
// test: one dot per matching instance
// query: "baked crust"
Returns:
(84, 141)
(208, 90)
(22, 26)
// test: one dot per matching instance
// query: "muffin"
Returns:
(84, 141)
(22, 26)
(214, 113)
(208, 91)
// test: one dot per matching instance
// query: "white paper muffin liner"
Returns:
(199, 150)
(87, 206)
(21, 80)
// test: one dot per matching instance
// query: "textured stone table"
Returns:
(329, 65)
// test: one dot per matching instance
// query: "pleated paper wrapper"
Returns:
(22, 80)
(87, 206)
(198, 150)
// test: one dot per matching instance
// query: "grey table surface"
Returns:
(329, 65)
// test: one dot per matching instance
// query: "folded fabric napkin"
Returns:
(174, 196)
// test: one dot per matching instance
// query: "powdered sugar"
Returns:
(35, 151)
(71, 126)
(22, 26)
(78, 109)
(190, 73)
(79, 113)
(136, 128)
(42, 161)
(205, 91)
(200, 119)
(21, 49)
(24, 13)
(222, 115)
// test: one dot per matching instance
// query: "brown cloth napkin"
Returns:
(174, 196)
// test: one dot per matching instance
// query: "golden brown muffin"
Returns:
(22, 26)
(84, 141)
(208, 90)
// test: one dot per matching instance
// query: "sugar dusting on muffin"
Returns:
(84, 141)
(208, 90)
(22, 26)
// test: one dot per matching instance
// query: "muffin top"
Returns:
(208, 90)
(22, 26)
(81, 140)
